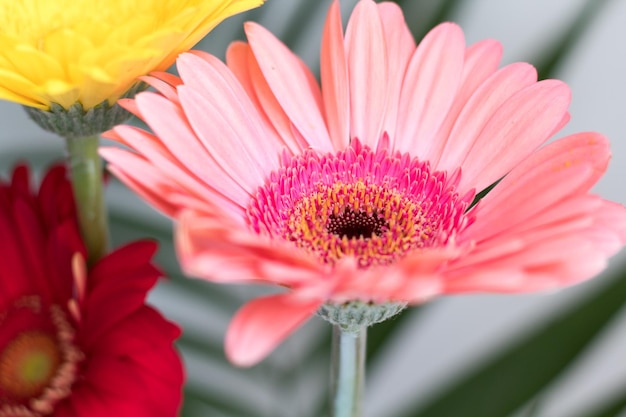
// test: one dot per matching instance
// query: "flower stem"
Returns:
(347, 372)
(86, 173)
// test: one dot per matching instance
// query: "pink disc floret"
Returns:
(376, 206)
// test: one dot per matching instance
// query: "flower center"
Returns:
(373, 206)
(354, 224)
(38, 359)
(28, 363)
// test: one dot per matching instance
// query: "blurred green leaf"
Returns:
(444, 12)
(559, 47)
(297, 26)
(614, 407)
(212, 348)
(533, 408)
(380, 334)
(508, 380)
(483, 193)
(196, 398)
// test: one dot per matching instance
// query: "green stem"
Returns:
(347, 372)
(86, 173)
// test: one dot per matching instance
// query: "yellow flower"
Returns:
(87, 52)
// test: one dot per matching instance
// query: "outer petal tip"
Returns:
(252, 28)
(262, 324)
(448, 27)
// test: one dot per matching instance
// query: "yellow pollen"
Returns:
(374, 224)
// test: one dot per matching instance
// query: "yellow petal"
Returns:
(92, 51)
(60, 92)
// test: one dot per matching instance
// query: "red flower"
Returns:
(77, 342)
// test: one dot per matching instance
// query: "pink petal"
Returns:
(151, 185)
(212, 182)
(585, 224)
(242, 63)
(546, 263)
(262, 324)
(481, 61)
(163, 194)
(479, 109)
(170, 125)
(213, 247)
(290, 82)
(274, 113)
(429, 88)
(400, 47)
(544, 192)
(225, 120)
(538, 229)
(515, 130)
(413, 279)
(613, 218)
(232, 149)
(166, 77)
(334, 75)
(562, 168)
(237, 61)
(366, 52)
(164, 88)
(131, 106)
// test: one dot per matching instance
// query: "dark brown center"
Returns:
(356, 224)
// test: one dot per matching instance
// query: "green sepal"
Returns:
(76, 122)
(354, 315)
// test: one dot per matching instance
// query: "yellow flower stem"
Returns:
(86, 174)
(347, 372)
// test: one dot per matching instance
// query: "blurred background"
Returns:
(561, 354)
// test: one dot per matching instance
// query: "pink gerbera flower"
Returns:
(357, 197)
(77, 342)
